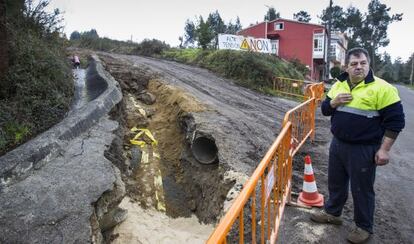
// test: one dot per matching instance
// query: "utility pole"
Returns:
(327, 68)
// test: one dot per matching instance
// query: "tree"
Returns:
(353, 21)
(386, 70)
(337, 20)
(408, 71)
(368, 30)
(181, 39)
(190, 32)
(302, 16)
(216, 25)
(40, 19)
(373, 33)
(234, 28)
(412, 69)
(92, 34)
(398, 69)
(75, 35)
(271, 14)
(204, 33)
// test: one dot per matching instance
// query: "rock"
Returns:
(112, 218)
(136, 155)
(134, 117)
(147, 98)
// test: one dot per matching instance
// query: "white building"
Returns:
(337, 52)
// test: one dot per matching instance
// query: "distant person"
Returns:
(76, 62)
(366, 118)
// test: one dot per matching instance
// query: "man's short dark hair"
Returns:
(356, 51)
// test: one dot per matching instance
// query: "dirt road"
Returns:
(395, 182)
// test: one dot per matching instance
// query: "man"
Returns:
(366, 117)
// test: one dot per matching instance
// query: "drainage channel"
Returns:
(164, 203)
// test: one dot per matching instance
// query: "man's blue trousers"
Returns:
(354, 163)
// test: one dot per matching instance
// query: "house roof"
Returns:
(282, 19)
(295, 21)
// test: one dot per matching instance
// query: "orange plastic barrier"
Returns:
(271, 181)
(290, 87)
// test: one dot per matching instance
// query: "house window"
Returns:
(279, 26)
(332, 51)
(318, 43)
(275, 46)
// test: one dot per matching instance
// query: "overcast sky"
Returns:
(164, 19)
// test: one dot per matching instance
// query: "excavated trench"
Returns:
(175, 169)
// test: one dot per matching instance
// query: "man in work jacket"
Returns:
(366, 117)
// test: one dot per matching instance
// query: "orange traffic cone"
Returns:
(309, 195)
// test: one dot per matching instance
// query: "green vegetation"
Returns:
(302, 16)
(204, 33)
(150, 47)
(36, 87)
(251, 70)
(91, 40)
(335, 71)
(271, 14)
(368, 30)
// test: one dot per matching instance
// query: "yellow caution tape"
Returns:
(160, 205)
(158, 191)
(141, 132)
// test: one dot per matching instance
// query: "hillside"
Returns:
(36, 84)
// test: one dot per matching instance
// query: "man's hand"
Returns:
(341, 99)
(382, 157)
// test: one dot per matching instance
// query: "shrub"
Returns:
(335, 71)
(36, 92)
(149, 47)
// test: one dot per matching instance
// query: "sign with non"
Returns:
(242, 43)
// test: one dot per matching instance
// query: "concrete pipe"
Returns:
(204, 149)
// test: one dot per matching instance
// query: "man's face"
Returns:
(358, 67)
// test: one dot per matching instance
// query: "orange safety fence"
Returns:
(302, 118)
(288, 86)
(271, 181)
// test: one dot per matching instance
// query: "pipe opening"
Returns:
(204, 150)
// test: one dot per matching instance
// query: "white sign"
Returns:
(269, 183)
(234, 42)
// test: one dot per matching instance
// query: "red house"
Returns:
(294, 40)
